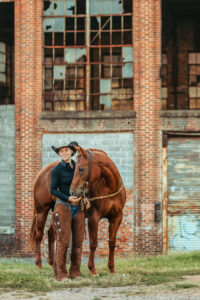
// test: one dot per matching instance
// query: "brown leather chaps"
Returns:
(63, 226)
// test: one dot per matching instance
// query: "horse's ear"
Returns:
(80, 150)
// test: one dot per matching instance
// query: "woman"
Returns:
(67, 215)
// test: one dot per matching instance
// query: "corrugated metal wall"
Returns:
(183, 193)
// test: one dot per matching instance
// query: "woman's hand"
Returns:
(74, 200)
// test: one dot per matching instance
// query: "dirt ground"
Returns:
(186, 289)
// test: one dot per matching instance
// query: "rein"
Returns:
(87, 182)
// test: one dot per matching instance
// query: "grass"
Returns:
(130, 271)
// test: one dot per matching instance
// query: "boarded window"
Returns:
(88, 55)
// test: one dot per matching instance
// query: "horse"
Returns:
(96, 177)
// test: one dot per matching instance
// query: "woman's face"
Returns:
(65, 153)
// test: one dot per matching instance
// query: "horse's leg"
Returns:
(40, 223)
(93, 234)
(51, 242)
(113, 227)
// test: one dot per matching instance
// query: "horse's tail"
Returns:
(33, 232)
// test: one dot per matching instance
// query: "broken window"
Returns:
(164, 89)
(6, 53)
(194, 80)
(2, 63)
(88, 55)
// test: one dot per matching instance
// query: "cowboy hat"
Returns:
(70, 145)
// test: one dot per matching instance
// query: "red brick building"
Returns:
(126, 72)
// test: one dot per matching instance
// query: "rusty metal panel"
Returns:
(183, 194)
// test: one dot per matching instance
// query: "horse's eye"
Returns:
(81, 169)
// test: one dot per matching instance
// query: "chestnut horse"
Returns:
(96, 174)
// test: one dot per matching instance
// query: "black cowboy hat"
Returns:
(70, 145)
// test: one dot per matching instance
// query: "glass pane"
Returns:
(73, 55)
(48, 8)
(116, 7)
(48, 24)
(58, 8)
(106, 100)
(127, 54)
(2, 47)
(100, 7)
(105, 86)
(2, 78)
(59, 24)
(59, 72)
(2, 68)
(69, 7)
(127, 70)
(2, 58)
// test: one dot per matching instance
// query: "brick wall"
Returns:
(28, 105)
(147, 135)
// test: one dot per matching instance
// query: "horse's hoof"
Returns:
(112, 272)
(50, 262)
(93, 273)
(39, 267)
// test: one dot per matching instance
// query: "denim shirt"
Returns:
(61, 179)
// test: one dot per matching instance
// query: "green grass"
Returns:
(130, 271)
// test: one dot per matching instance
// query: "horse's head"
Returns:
(86, 171)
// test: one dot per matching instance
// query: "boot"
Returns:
(63, 231)
(78, 230)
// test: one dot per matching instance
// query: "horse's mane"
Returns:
(97, 150)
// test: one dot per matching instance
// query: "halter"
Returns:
(88, 179)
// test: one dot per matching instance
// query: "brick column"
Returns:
(147, 137)
(28, 105)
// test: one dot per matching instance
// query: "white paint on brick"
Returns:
(119, 147)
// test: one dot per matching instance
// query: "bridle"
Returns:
(88, 180)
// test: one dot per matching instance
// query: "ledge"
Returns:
(180, 113)
(64, 115)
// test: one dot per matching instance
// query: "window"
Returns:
(164, 89)
(2, 63)
(194, 80)
(88, 55)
